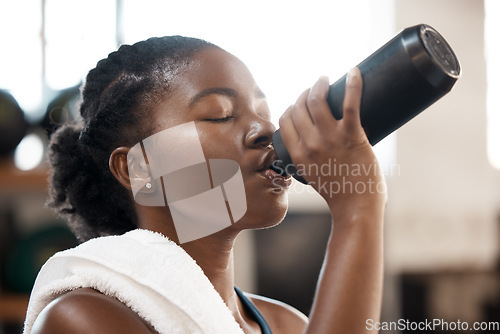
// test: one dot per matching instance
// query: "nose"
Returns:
(260, 133)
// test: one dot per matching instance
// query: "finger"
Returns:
(317, 104)
(301, 117)
(352, 100)
(288, 131)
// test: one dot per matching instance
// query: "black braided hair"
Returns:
(116, 100)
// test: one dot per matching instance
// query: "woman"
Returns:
(162, 83)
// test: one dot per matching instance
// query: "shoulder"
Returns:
(86, 310)
(281, 317)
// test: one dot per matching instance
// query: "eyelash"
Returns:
(220, 120)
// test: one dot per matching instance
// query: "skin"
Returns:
(234, 123)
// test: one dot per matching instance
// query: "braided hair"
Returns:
(117, 98)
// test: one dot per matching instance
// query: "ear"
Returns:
(118, 165)
(129, 167)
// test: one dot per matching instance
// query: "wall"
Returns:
(444, 204)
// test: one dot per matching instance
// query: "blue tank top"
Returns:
(252, 309)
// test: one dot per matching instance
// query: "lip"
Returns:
(276, 179)
(266, 160)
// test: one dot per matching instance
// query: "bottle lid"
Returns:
(432, 56)
(440, 51)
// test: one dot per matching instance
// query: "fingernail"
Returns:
(351, 75)
(320, 79)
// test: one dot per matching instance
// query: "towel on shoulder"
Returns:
(145, 271)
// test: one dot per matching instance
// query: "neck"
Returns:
(214, 253)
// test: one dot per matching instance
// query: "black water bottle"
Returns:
(402, 78)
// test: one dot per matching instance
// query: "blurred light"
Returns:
(29, 152)
(29, 97)
(73, 45)
(21, 53)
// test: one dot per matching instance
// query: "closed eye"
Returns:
(219, 120)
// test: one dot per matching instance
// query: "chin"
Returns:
(266, 211)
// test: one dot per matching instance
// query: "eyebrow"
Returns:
(211, 91)
(229, 92)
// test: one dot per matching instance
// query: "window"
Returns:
(77, 35)
(286, 44)
(492, 28)
(51, 48)
(21, 55)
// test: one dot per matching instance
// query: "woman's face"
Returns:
(232, 119)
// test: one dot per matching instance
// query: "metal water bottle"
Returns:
(401, 79)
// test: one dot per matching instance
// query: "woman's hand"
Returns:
(334, 156)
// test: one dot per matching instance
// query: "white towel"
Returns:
(145, 271)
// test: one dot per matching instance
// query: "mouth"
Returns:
(277, 179)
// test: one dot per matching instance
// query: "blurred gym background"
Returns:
(443, 168)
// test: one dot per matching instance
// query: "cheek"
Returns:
(218, 144)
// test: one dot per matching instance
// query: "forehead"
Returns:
(209, 68)
(212, 68)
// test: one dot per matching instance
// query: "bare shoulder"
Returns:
(281, 317)
(88, 311)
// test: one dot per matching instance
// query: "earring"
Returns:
(149, 185)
